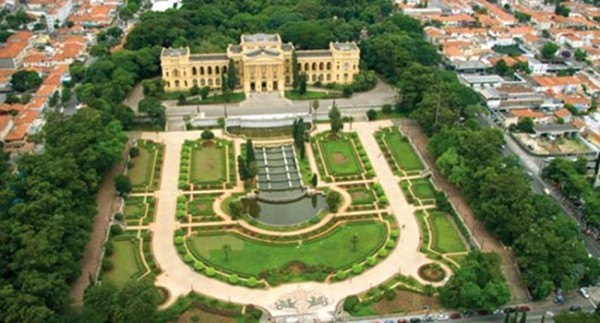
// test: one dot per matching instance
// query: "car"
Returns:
(388, 321)
(441, 317)
(523, 308)
(402, 321)
(468, 313)
(455, 316)
(415, 320)
(549, 314)
(497, 312)
(484, 312)
(584, 293)
(575, 308)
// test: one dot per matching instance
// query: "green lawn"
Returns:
(312, 95)
(201, 206)
(460, 259)
(140, 173)
(446, 235)
(125, 263)
(134, 208)
(340, 157)
(423, 189)
(208, 165)
(402, 151)
(361, 196)
(248, 257)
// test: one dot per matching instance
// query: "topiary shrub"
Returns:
(383, 253)
(350, 303)
(395, 233)
(188, 259)
(134, 152)
(390, 244)
(357, 269)
(233, 279)
(181, 250)
(251, 282)
(115, 230)
(210, 272)
(389, 294)
(198, 266)
(179, 232)
(371, 261)
(180, 214)
(178, 240)
(341, 275)
(108, 249)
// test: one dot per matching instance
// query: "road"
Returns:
(534, 165)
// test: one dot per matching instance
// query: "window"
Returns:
(185, 83)
(305, 67)
(176, 83)
(168, 84)
(194, 71)
(201, 70)
(175, 73)
(314, 77)
(299, 67)
(329, 66)
(346, 66)
(321, 77)
(321, 66)
(210, 82)
(195, 82)
(218, 81)
(166, 74)
(209, 71)
(314, 66)
(202, 82)
(217, 70)
(345, 77)
(328, 77)
(224, 69)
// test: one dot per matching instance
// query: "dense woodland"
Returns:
(47, 205)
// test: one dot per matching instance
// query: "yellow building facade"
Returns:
(263, 64)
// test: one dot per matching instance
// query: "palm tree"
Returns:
(226, 249)
(354, 240)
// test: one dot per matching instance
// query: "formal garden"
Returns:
(341, 157)
(207, 163)
(144, 165)
(398, 152)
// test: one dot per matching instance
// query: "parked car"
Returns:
(402, 321)
(575, 308)
(415, 320)
(484, 312)
(510, 310)
(584, 293)
(523, 308)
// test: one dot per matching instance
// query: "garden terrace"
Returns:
(139, 210)
(398, 152)
(285, 262)
(128, 257)
(194, 208)
(418, 191)
(144, 169)
(341, 157)
(207, 164)
(442, 239)
(365, 196)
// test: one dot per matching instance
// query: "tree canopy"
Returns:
(24, 80)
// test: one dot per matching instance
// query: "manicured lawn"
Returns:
(446, 236)
(361, 196)
(460, 259)
(312, 95)
(423, 189)
(201, 206)
(402, 151)
(248, 257)
(208, 165)
(134, 208)
(140, 173)
(125, 264)
(340, 156)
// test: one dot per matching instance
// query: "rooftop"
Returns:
(172, 52)
(208, 57)
(313, 53)
(345, 46)
(259, 38)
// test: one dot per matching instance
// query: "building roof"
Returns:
(17, 133)
(313, 53)
(527, 113)
(555, 127)
(15, 44)
(345, 46)
(262, 51)
(562, 113)
(555, 80)
(175, 51)
(260, 37)
(208, 57)
(4, 122)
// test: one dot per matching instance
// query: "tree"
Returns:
(181, 99)
(580, 55)
(137, 301)
(354, 241)
(134, 152)
(154, 109)
(204, 92)
(333, 200)
(242, 168)
(525, 125)
(195, 90)
(236, 208)
(66, 94)
(335, 119)
(371, 115)
(561, 10)
(224, 84)
(226, 249)
(314, 180)
(315, 106)
(207, 135)
(250, 157)
(231, 75)
(298, 129)
(295, 76)
(501, 68)
(122, 185)
(302, 84)
(549, 50)
(54, 99)
(24, 80)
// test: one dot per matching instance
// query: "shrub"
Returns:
(179, 232)
(134, 152)
(183, 185)
(357, 268)
(108, 249)
(181, 250)
(390, 244)
(180, 214)
(383, 253)
(341, 275)
(179, 240)
(383, 200)
(389, 294)
(181, 199)
(233, 279)
(188, 259)
(372, 115)
(252, 282)
(210, 272)
(371, 173)
(106, 264)
(207, 135)
(115, 230)
(371, 261)
(395, 233)
(350, 303)
(386, 108)
(198, 266)
(119, 216)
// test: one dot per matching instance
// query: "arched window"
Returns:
(168, 84)
(217, 70)
(314, 66)
(201, 70)
(305, 67)
(329, 66)
(224, 69)
(175, 73)
(321, 66)
(202, 82)
(209, 71)
(176, 83)
(321, 77)
(210, 82)
(314, 77)
(328, 77)
(218, 81)
(195, 82)
(194, 71)
(166, 74)
(345, 77)
(299, 66)
(346, 66)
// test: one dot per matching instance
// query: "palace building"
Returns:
(263, 64)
